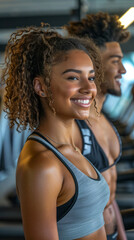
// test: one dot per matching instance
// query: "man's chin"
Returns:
(114, 92)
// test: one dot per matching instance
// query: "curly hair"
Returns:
(31, 52)
(101, 28)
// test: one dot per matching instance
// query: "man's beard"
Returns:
(114, 92)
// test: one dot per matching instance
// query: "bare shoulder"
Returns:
(37, 163)
(39, 182)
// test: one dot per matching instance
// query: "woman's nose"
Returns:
(87, 86)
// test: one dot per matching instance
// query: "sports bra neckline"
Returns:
(56, 150)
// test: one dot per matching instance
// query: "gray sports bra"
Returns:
(85, 215)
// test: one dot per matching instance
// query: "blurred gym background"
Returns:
(16, 14)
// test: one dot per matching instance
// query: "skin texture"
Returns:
(104, 133)
(42, 180)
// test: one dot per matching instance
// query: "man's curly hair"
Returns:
(32, 52)
(101, 28)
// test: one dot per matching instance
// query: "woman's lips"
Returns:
(82, 102)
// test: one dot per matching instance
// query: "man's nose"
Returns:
(122, 69)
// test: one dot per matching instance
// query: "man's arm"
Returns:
(120, 225)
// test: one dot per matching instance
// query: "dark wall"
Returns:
(14, 22)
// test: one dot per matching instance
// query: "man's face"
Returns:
(113, 68)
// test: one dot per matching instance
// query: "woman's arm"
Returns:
(39, 183)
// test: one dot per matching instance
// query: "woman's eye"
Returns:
(92, 78)
(73, 78)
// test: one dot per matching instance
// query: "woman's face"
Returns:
(72, 85)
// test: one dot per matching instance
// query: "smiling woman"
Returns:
(50, 82)
(73, 87)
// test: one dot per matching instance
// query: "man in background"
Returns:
(104, 142)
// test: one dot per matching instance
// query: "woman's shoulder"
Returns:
(35, 154)
(36, 161)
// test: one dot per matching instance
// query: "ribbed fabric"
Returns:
(92, 149)
(85, 216)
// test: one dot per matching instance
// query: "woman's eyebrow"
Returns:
(75, 70)
(72, 70)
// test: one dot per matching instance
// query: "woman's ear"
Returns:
(39, 87)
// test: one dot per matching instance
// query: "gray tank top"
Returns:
(85, 215)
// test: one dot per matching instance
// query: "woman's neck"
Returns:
(57, 129)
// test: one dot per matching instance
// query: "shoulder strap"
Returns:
(42, 140)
